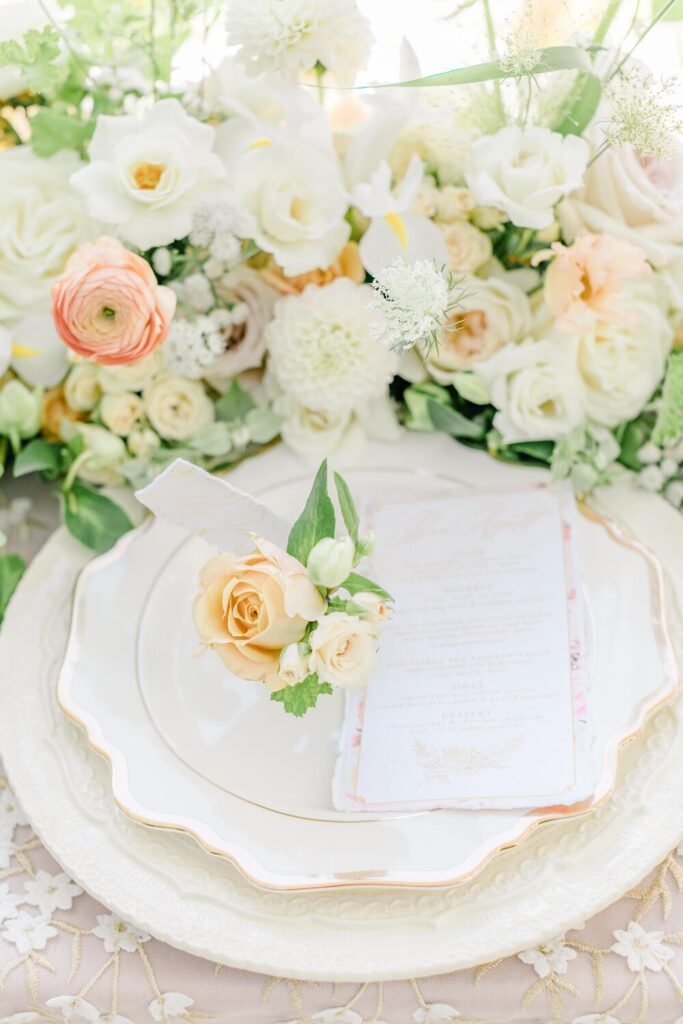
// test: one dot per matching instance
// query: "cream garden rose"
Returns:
(177, 408)
(250, 608)
(42, 221)
(526, 171)
(82, 389)
(467, 247)
(121, 413)
(344, 650)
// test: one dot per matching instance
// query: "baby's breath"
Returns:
(643, 113)
(413, 303)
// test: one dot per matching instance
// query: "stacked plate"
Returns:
(193, 808)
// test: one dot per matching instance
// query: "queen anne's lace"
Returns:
(413, 302)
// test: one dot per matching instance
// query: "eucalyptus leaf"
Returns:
(315, 522)
(92, 518)
(234, 403)
(263, 424)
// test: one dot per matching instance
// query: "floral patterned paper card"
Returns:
(480, 698)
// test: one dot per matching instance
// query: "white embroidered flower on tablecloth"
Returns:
(51, 892)
(116, 934)
(28, 931)
(433, 1012)
(642, 949)
(8, 902)
(551, 958)
(11, 814)
(76, 1009)
(170, 1007)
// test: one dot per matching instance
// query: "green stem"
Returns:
(73, 470)
(658, 17)
(491, 35)
(152, 47)
(606, 21)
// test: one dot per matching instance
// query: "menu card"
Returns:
(480, 697)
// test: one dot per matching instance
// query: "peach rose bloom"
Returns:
(107, 305)
(588, 280)
(250, 608)
(347, 264)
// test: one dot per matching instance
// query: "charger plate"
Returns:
(163, 882)
(195, 749)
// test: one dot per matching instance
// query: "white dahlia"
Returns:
(322, 352)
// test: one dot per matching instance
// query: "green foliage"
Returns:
(92, 518)
(450, 421)
(12, 568)
(297, 700)
(35, 56)
(53, 130)
(357, 584)
(674, 13)
(632, 436)
(348, 507)
(551, 58)
(234, 403)
(315, 522)
(669, 425)
(580, 106)
(39, 456)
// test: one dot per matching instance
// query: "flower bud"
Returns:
(19, 410)
(374, 606)
(294, 664)
(331, 561)
(366, 545)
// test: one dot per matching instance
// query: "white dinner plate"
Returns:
(194, 749)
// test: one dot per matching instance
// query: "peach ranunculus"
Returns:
(107, 305)
(588, 280)
(250, 608)
(347, 264)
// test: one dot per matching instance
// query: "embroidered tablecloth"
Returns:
(64, 957)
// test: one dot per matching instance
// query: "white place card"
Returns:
(479, 700)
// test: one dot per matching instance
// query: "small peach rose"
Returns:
(250, 608)
(107, 305)
(588, 280)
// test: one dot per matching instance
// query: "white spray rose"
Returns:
(120, 413)
(331, 561)
(294, 664)
(344, 650)
(467, 247)
(19, 411)
(375, 607)
(177, 408)
(82, 388)
(141, 443)
(526, 171)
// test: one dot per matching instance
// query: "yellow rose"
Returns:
(344, 650)
(250, 608)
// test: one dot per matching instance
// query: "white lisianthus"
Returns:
(622, 363)
(297, 197)
(177, 408)
(490, 314)
(526, 171)
(141, 443)
(294, 664)
(82, 389)
(120, 413)
(374, 606)
(145, 174)
(134, 376)
(41, 222)
(19, 411)
(331, 561)
(293, 36)
(632, 197)
(103, 453)
(321, 350)
(536, 388)
(344, 650)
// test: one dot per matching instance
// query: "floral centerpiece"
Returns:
(197, 269)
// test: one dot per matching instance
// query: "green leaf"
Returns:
(35, 56)
(357, 584)
(296, 700)
(12, 568)
(634, 436)
(348, 507)
(53, 130)
(39, 457)
(92, 518)
(263, 424)
(581, 105)
(450, 421)
(541, 450)
(552, 58)
(315, 522)
(675, 12)
(234, 403)
(669, 425)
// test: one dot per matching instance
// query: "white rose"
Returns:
(375, 607)
(42, 223)
(294, 664)
(120, 413)
(141, 443)
(297, 197)
(245, 343)
(343, 650)
(633, 197)
(146, 173)
(526, 171)
(15, 20)
(102, 455)
(312, 433)
(331, 561)
(136, 376)
(622, 364)
(81, 388)
(536, 388)
(467, 247)
(493, 313)
(177, 408)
